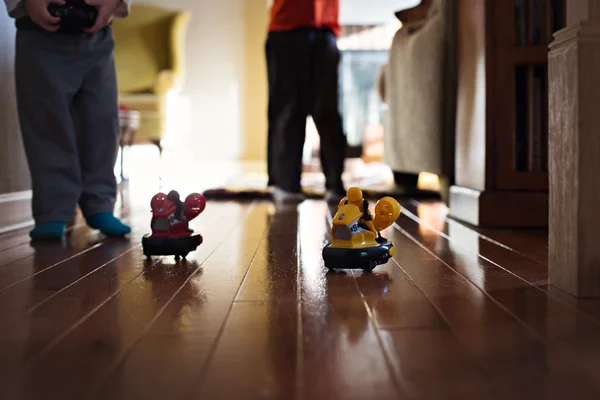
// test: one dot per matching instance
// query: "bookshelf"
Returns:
(522, 87)
(503, 111)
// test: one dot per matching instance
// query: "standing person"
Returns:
(302, 65)
(68, 112)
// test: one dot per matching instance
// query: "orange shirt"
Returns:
(290, 14)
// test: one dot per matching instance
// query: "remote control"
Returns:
(74, 17)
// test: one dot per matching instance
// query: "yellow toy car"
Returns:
(356, 241)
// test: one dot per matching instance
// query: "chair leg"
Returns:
(157, 144)
(123, 179)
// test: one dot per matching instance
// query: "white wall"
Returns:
(215, 75)
(372, 12)
(14, 173)
(225, 71)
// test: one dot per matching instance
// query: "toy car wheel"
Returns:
(370, 266)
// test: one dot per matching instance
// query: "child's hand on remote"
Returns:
(38, 12)
(106, 10)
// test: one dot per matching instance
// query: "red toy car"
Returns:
(171, 234)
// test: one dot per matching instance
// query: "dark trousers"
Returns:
(302, 68)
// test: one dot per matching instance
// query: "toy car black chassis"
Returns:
(178, 247)
(366, 258)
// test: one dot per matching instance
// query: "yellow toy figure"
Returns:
(356, 234)
(355, 196)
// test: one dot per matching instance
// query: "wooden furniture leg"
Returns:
(574, 144)
(159, 145)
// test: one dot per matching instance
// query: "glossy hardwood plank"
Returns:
(254, 314)
(433, 365)
(79, 240)
(174, 348)
(536, 319)
(259, 344)
(79, 285)
(86, 347)
(342, 353)
(257, 355)
(81, 277)
(486, 332)
(316, 351)
(128, 203)
(19, 247)
(588, 306)
(14, 238)
(396, 302)
(273, 275)
(426, 355)
(49, 258)
(529, 243)
(465, 242)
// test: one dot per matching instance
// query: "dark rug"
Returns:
(374, 184)
(260, 194)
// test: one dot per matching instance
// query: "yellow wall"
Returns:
(225, 78)
(254, 137)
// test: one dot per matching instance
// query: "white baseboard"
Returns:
(10, 203)
(15, 196)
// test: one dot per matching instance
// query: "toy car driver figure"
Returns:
(174, 197)
(355, 196)
(179, 213)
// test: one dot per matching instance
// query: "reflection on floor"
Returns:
(253, 314)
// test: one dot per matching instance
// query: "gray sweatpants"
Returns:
(68, 112)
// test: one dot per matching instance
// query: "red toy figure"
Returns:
(171, 234)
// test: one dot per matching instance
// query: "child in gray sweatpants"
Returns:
(68, 112)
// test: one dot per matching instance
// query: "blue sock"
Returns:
(48, 230)
(108, 224)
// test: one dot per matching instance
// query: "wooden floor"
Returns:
(253, 314)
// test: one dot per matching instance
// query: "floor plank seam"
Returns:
(213, 349)
(88, 315)
(124, 354)
(480, 289)
(450, 221)
(446, 220)
(69, 229)
(400, 385)
(73, 327)
(70, 258)
(4, 289)
(416, 328)
(530, 284)
(80, 226)
(486, 368)
(257, 302)
(36, 306)
(300, 392)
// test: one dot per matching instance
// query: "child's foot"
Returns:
(48, 230)
(283, 196)
(108, 224)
